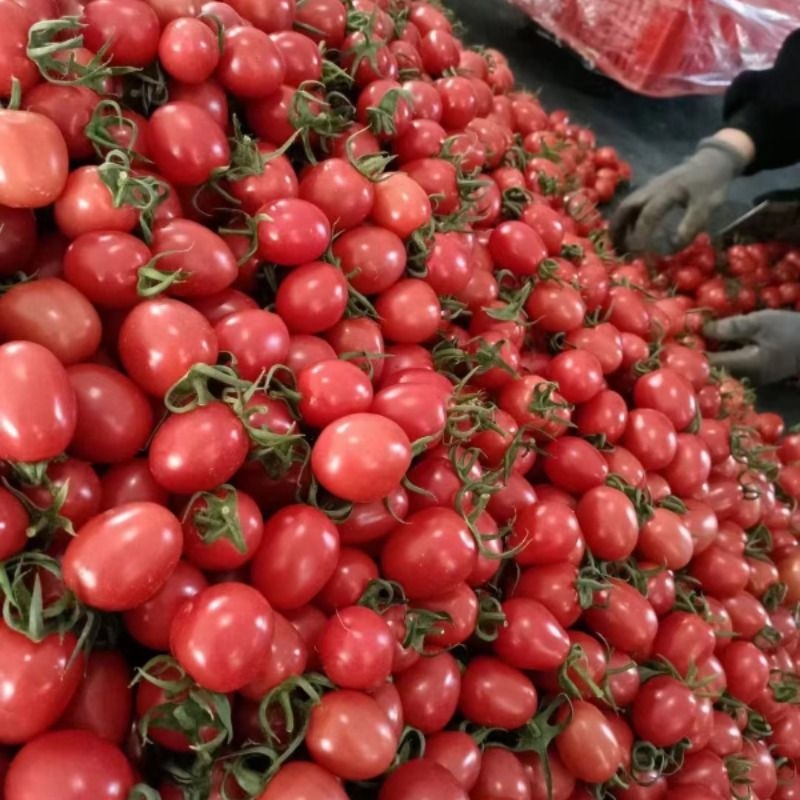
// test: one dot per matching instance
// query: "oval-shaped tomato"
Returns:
(297, 557)
(51, 313)
(71, 765)
(429, 553)
(421, 779)
(664, 711)
(361, 457)
(34, 162)
(531, 638)
(222, 635)
(609, 524)
(161, 339)
(103, 703)
(292, 232)
(39, 680)
(356, 648)
(37, 404)
(122, 557)
(186, 143)
(149, 623)
(199, 450)
(429, 690)
(115, 418)
(496, 695)
(588, 746)
(302, 778)
(350, 735)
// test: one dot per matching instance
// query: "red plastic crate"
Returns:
(668, 47)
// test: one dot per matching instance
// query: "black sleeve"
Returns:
(765, 104)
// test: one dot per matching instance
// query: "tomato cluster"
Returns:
(340, 456)
(744, 278)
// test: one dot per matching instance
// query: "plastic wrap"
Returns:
(670, 47)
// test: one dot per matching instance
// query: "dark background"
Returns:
(653, 134)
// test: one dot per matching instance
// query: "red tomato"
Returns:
(312, 298)
(609, 524)
(437, 538)
(149, 622)
(458, 753)
(296, 778)
(34, 162)
(40, 679)
(37, 405)
(579, 375)
(669, 392)
(251, 65)
(297, 557)
(258, 340)
(129, 28)
(349, 734)
(122, 557)
(555, 307)
(547, 532)
(115, 418)
(374, 258)
(361, 457)
(421, 779)
(292, 232)
(531, 638)
(517, 247)
(199, 450)
(409, 311)
(221, 636)
(429, 690)
(161, 339)
(574, 464)
(587, 746)
(330, 390)
(401, 205)
(664, 711)
(103, 703)
(188, 50)
(746, 669)
(186, 143)
(356, 648)
(71, 765)
(624, 618)
(665, 541)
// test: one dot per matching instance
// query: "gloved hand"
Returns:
(772, 349)
(699, 185)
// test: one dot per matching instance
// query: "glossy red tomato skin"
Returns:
(34, 164)
(293, 232)
(432, 536)
(122, 557)
(102, 703)
(297, 556)
(115, 418)
(356, 649)
(221, 636)
(608, 521)
(458, 753)
(149, 623)
(429, 690)
(421, 779)
(588, 732)
(664, 711)
(623, 617)
(258, 339)
(13, 525)
(251, 65)
(349, 734)
(131, 27)
(182, 156)
(546, 531)
(361, 457)
(496, 695)
(52, 313)
(199, 450)
(669, 392)
(400, 205)
(297, 777)
(40, 680)
(312, 298)
(746, 669)
(161, 339)
(38, 403)
(575, 465)
(531, 638)
(70, 764)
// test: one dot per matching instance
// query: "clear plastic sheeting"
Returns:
(670, 47)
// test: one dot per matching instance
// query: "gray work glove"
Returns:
(699, 185)
(771, 345)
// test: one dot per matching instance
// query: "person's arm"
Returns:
(764, 106)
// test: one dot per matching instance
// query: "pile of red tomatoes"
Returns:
(340, 455)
